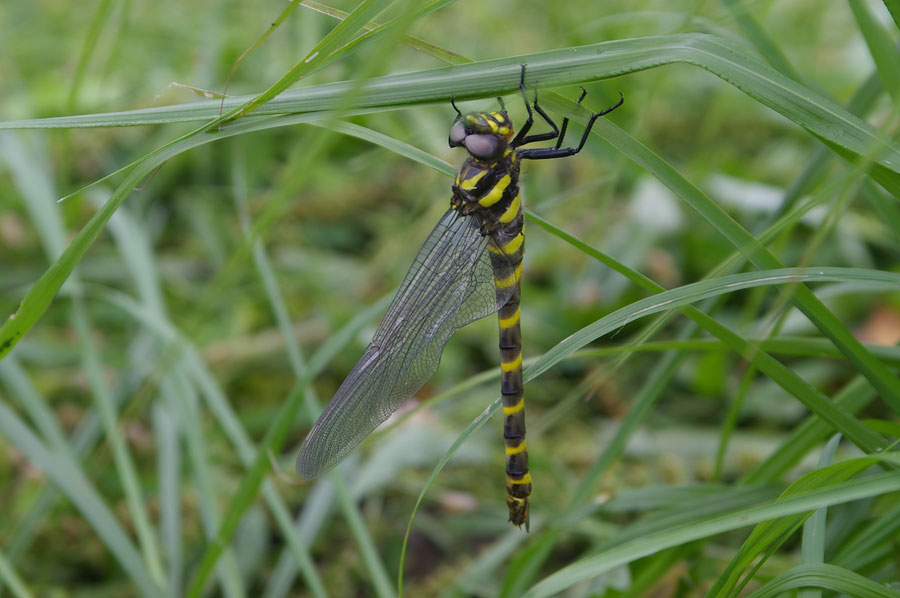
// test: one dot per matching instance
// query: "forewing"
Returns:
(449, 284)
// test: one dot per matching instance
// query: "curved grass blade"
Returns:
(342, 34)
(807, 108)
(881, 46)
(672, 299)
(69, 479)
(702, 290)
(826, 577)
(884, 381)
(606, 560)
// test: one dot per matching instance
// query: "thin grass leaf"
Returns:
(886, 207)
(767, 48)
(135, 248)
(259, 461)
(36, 187)
(186, 406)
(70, 480)
(23, 393)
(702, 290)
(873, 542)
(599, 563)
(881, 46)
(328, 45)
(768, 535)
(670, 300)
(168, 472)
(885, 382)
(848, 133)
(413, 42)
(852, 398)
(267, 275)
(812, 549)
(826, 577)
(708, 502)
(893, 7)
(11, 579)
(102, 15)
(568, 66)
(124, 462)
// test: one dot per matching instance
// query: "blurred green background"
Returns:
(133, 409)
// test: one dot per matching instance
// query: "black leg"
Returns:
(546, 153)
(523, 137)
(526, 126)
(526, 139)
(565, 125)
(452, 103)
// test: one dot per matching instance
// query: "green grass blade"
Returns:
(768, 49)
(168, 471)
(873, 542)
(807, 108)
(102, 13)
(70, 480)
(881, 46)
(187, 408)
(11, 579)
(589, 567)
(826, 577)
(413, 42)
(768, 535)
(812, 550)
(341, 35)
(702, 290)
(851, 399)
(885, 382)
(124, 462)
(893, 7)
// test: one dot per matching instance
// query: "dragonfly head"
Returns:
(485, 135)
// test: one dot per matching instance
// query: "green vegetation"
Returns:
(711, 299)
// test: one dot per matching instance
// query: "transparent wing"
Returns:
(450, 283)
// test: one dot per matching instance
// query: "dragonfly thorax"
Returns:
(485, 135)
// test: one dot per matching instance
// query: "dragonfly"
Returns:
(469, 267)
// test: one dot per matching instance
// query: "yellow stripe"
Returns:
(512, 211)
(496, 193)
(514, 450)
(514, 244)
(509, 366)
(515, 408)
(492, 125)
(469, 183)
(511, 279)
(526, 479)
(511, 320)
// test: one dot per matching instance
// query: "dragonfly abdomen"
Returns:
(518, 478)
(507, 249)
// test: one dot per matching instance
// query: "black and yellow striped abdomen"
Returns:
(491, 189)
(518, 478)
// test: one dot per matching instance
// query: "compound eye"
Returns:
(485, 147)
(457, 134)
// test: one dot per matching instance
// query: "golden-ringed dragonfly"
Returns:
(469, 267)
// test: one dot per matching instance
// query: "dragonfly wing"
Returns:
(450, 283)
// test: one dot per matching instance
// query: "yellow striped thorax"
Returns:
(488, 180)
